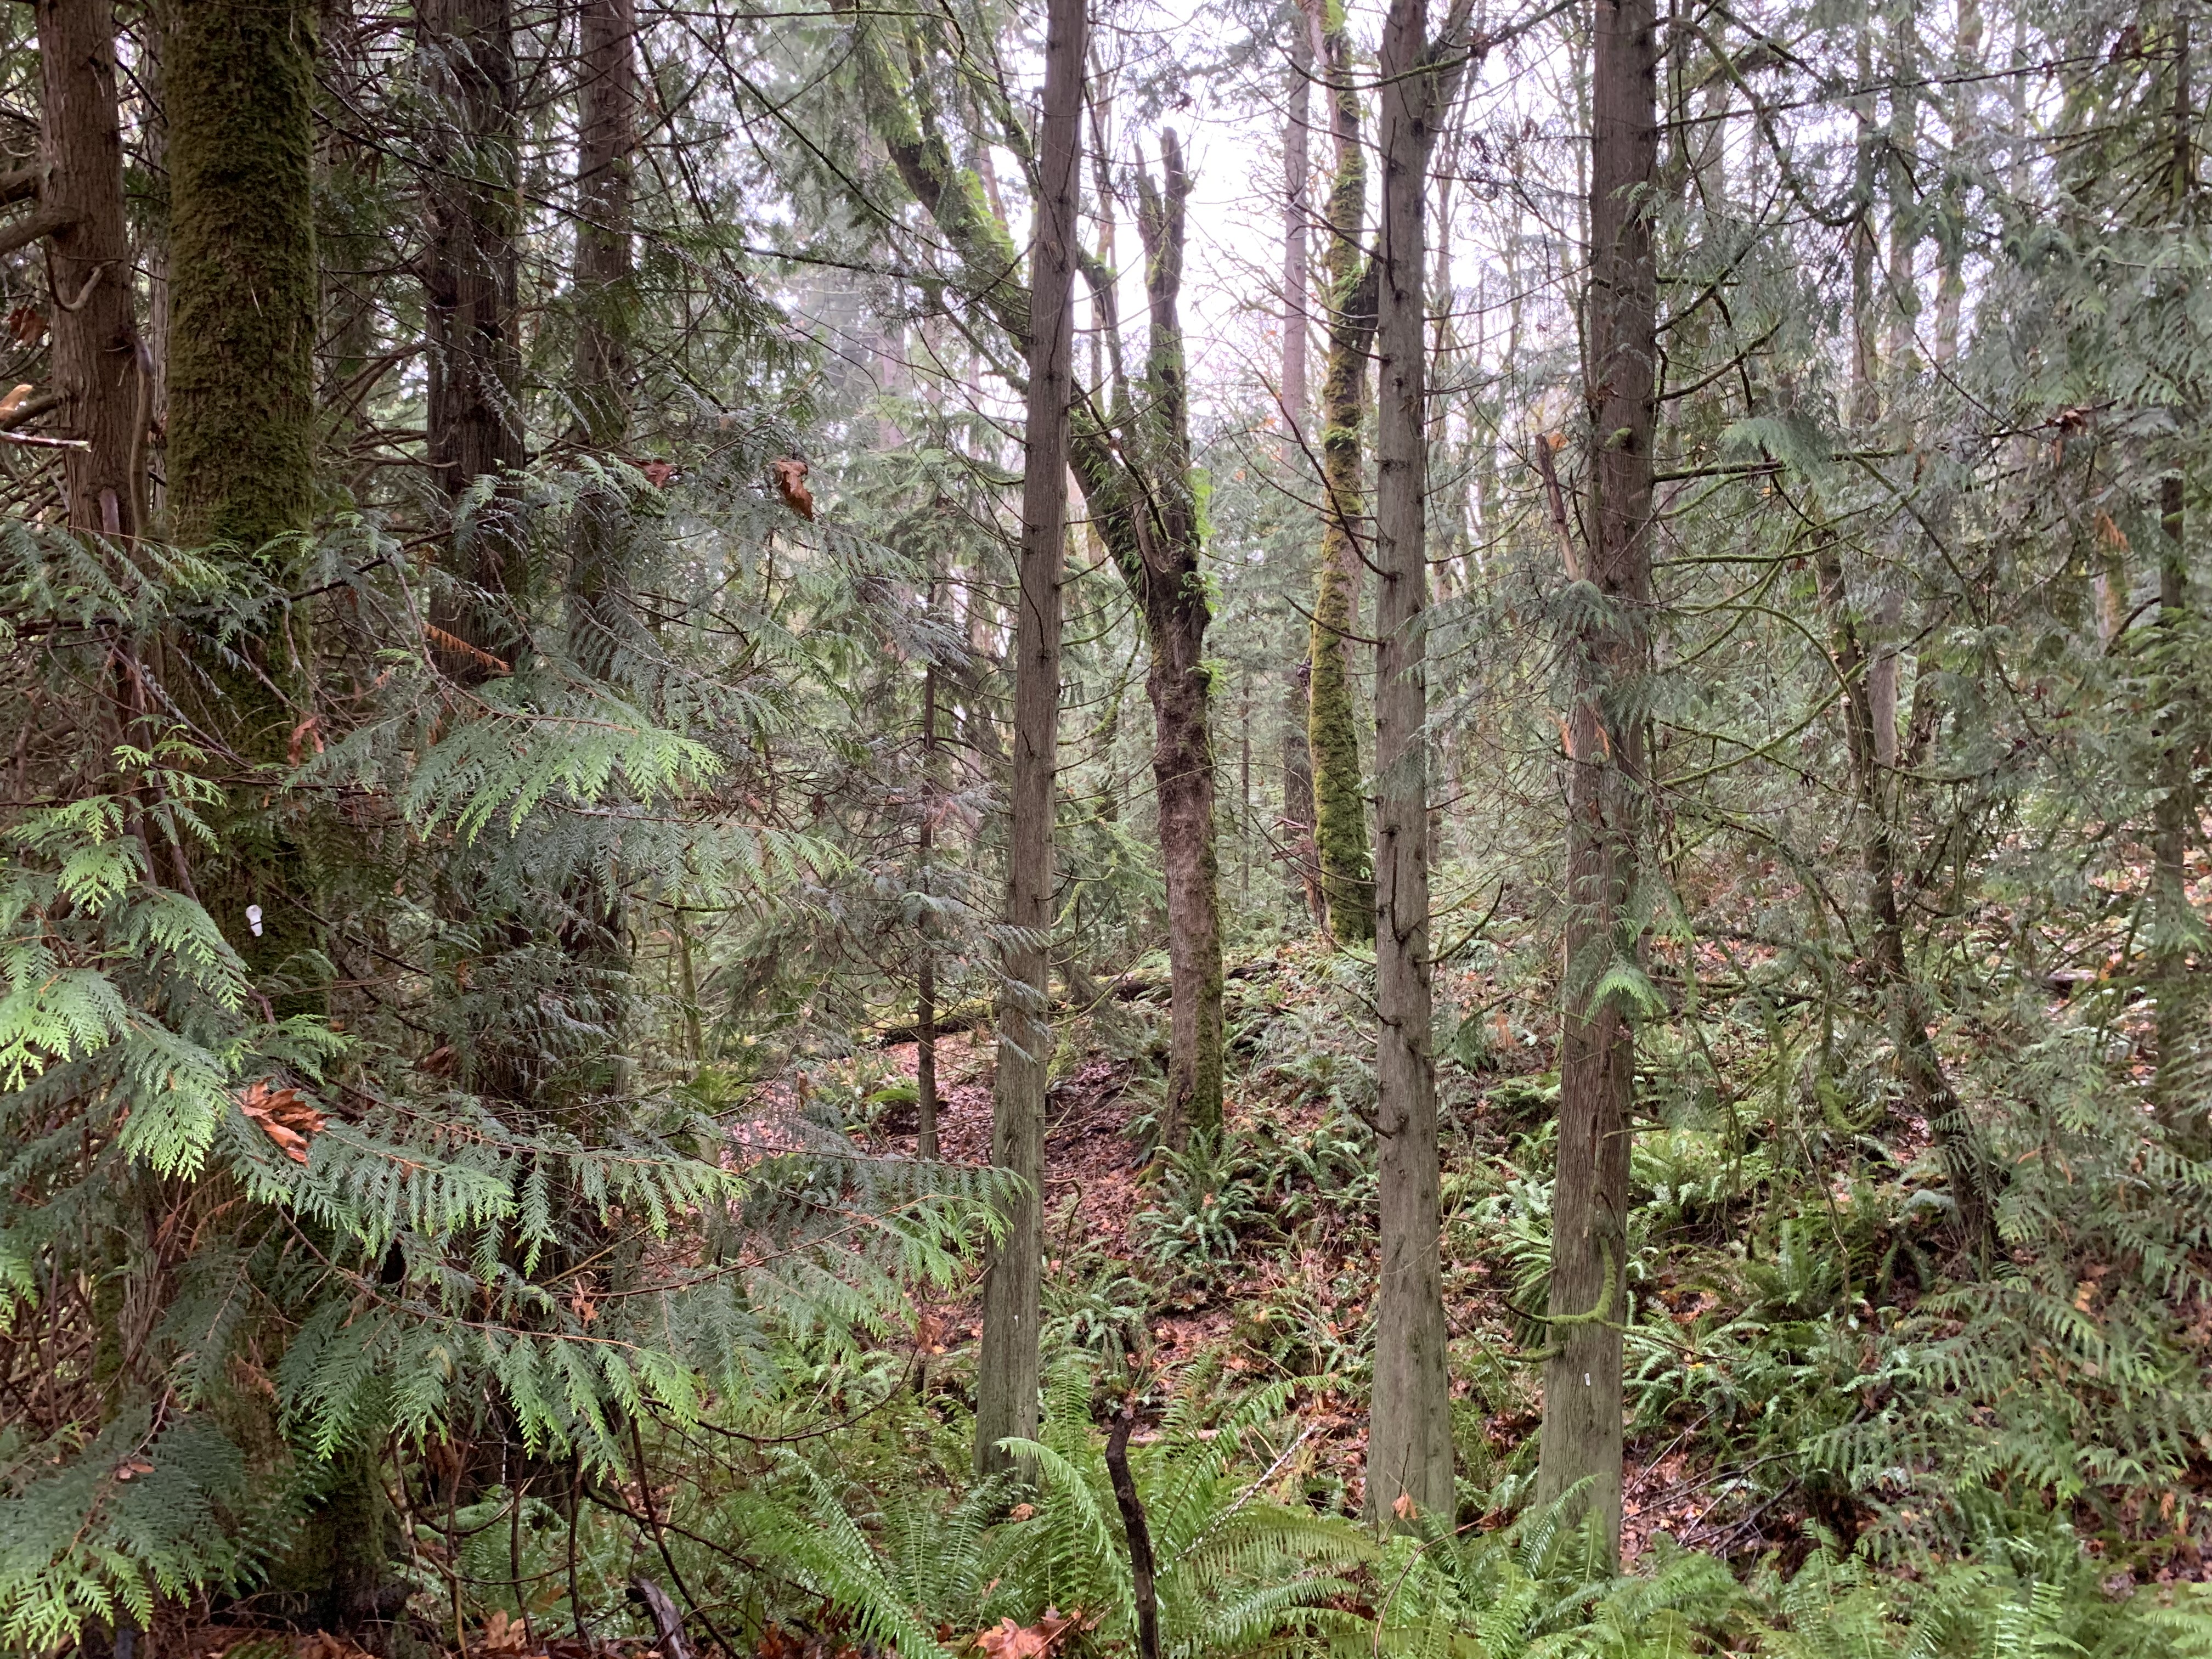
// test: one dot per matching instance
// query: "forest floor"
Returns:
(1101, 1186)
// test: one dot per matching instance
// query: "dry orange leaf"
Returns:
(284, 1117)
(791, 484)
(1008, 1640)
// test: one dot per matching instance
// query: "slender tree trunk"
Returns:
(238, 81)
(2178, 929)
(1928, 1090)
(99, 367)
(925, 986)
(594, 933)
(1298, 791)
(1582, 1433)
(1409, 1443)
(1298, 211)
(1339, 797)
(1007, 1368)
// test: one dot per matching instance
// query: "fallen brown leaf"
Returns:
(791, 484)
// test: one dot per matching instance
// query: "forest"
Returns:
(1082, 829)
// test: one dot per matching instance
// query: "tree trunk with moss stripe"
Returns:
(1340, 840)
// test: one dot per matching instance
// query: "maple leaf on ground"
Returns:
(284, 1117)
(791, 484)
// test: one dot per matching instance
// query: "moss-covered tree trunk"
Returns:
(1340, 840)
(100, 372)
(1176, 610)
(239, 83)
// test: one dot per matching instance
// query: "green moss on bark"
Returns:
(239, 80)
(1341, 848)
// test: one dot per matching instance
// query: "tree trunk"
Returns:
(1340, 798)
(606, 149)
(1582, 1433)
(1299, 791)
(925, 986)
(1297, 168)
(238, 84)
(469, 278)
(1007, 1367)
(1928, 1092)
(99, 367)
(593, 932)
(1409, 1443)
(1176, 610)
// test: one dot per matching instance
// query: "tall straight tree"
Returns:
(1610, 648)
(238, 89)
(1007, 1368)
(1409, 1443)
(100, 374)
(470, 279)
(1340, 795)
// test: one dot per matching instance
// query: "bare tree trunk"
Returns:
(2176, 925)
(99, 367)
(594, 933)
(925, 983)
(1298, 210)
(1409, 1443)
(1340, 795)
(1007, 1367)
(1582, 1433)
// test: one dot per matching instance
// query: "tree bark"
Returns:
(1581, 1431)
(1007, 1368)
(1409, 1443)
(239, 83)
(470, 282)
(594, 932)
(1176, 610)
(1298, 210)
(1299, 791)
(1339, 797)
(99, 367)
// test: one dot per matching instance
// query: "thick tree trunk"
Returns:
(1007, 1367)
(1340, 795)
(1582, 1433)
(1409, 1443)
(469, 278)
(99, 367)
(239, 83)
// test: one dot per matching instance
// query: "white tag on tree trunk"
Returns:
(254, 919)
